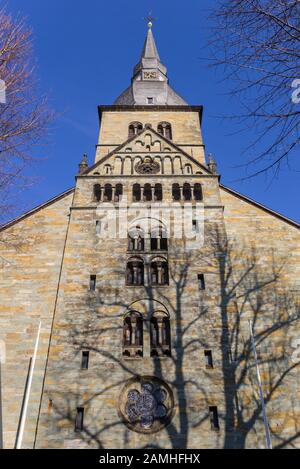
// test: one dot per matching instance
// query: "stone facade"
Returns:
(193, 386)
(186, 127)
(31, 258)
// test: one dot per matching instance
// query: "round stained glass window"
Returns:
(146, 404)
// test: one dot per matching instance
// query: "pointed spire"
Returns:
(149, 84)
(150, 50)
(150, 57)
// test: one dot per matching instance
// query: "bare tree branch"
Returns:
(257, 42)
(24, 115)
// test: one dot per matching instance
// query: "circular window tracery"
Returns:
(147, 166)
(146, 404)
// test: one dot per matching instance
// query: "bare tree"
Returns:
(23, 114)
(258, 44)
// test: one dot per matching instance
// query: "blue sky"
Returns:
(85, 53)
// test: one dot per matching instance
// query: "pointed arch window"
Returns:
(135, 272)
(159, 272)
(165, 129)
(97, 192)
(160, 335)
(133, 335)
(134, 128)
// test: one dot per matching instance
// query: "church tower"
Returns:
(130, 348)
(151, 272)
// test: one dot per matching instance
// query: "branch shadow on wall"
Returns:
(244, 287)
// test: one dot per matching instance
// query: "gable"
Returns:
(65, 198)
(148, 152)
(243, 210)
(253, 229)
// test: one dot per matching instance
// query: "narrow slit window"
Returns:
(85, 360)
(208, 359)
(93, 279)
(195, 226)
(214, 418)
(201, 282)
(79, 419)
(50, 406)
(98, 227)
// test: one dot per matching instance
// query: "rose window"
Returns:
(148, 166)
(146, 404)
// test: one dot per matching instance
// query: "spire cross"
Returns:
(150, 20)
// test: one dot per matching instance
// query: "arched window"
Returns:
(147, 193)
(165, 129)
(135, 271)
(168, 131)
(159, 239)
(136, 193)
(134, 128)
(176, 191)
(118, 192)
(187, 193)
(97, 192)
(198, 195)
(107, 193)
(133, 335)
(107, 169)
(159, 272)
(188, 169)
(136, 239)
(158, 194)
(131, 132)
(160, 334)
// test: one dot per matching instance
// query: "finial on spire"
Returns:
(150, 20)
